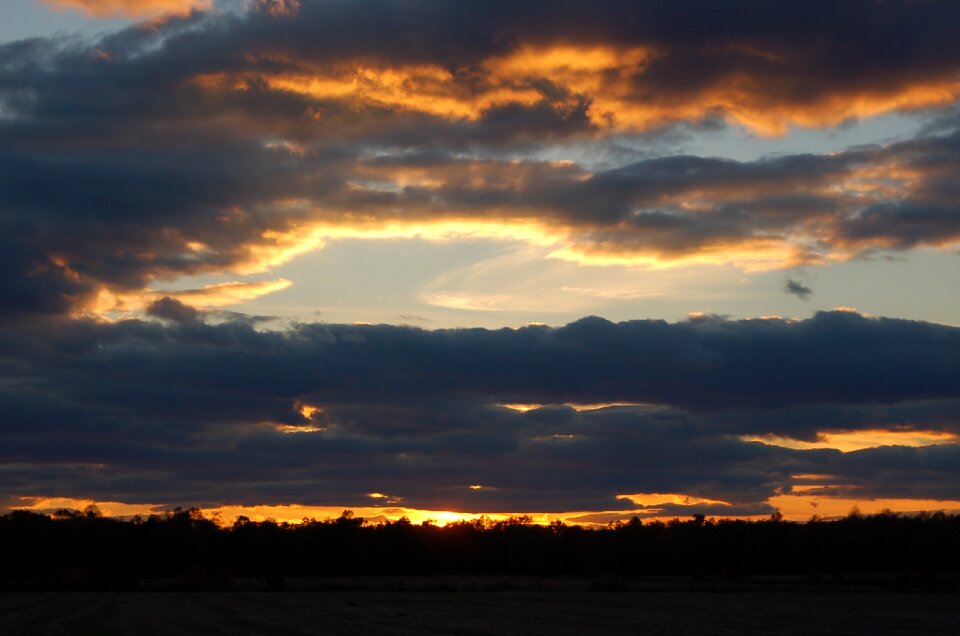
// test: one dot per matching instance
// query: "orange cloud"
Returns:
(614, 82)
(676, 499)
(846, 441)
(129, 8)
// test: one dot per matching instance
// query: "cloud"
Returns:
(634, 66)
(796, 288)
(186, 412)
(171, 309)
(224, 143)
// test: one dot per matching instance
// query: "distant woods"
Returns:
(84, 550)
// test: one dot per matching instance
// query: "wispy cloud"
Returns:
(796, 288)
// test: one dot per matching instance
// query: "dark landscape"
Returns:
(180, 573)
(184, 550)
(550, 611)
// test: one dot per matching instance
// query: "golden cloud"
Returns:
(109, 303)
(846, 441)
(613, 81)
(130, 8)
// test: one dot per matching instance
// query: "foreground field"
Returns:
(554, 611)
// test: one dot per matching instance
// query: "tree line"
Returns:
(85, 550)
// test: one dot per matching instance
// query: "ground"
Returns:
(499, 608)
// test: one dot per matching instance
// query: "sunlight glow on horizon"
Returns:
(793, 507)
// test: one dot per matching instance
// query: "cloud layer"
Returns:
(219, 142)
(184, 411)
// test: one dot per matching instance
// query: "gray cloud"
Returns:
(185, 412)
(796, 288)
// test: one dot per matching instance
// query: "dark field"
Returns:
(483, 610)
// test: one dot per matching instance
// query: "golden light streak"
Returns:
(293, 429)
(129, 8)
(107, 508)
(487, 302)
(428, 89)
(523, 408)
(596, 406)
(847, 441)
(576, 406)
(108, 303)
(677, 499)
(792, 507)
(222, 294)
(801, 507)
(293, 513)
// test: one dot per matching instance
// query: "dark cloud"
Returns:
(185, 412)
(171, 309)
(796, 288)
(834, 357)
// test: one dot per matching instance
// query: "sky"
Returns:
(576, 260)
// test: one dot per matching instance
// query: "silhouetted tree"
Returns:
(73, 549)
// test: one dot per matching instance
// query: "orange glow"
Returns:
(107, 508)
(660, 499)
(793, 507)
(846, 441)
(308, 411)
(129, 8)
(523, 408)
(610, 79)
(801, 507)
(415, 88)
(108, 303)
(596, 406)
(574, 405)
(290, 428)
(296, 514)
(556, 60)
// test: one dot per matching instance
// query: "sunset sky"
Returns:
(573, 259)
